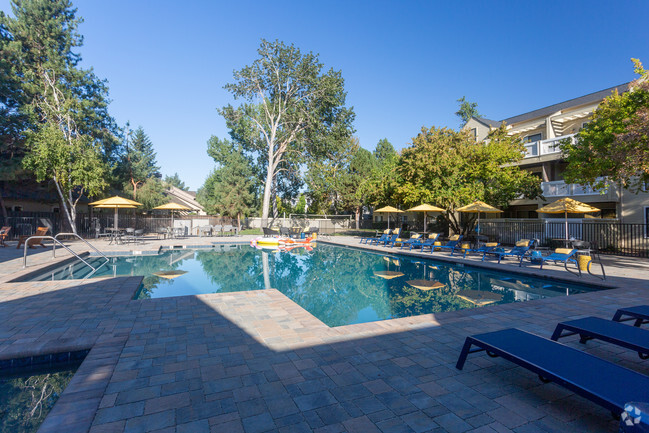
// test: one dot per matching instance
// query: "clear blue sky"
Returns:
(405, 63)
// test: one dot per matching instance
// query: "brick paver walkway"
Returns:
(256, 362)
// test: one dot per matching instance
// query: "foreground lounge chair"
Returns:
(612, 332)
(639, 313)
(40, 231)
(452, 244)
(563, 255)
(586, 375)
(4, 233)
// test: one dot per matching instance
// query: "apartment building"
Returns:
(543, 130)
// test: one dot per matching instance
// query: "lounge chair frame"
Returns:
(612, 332)
(639, 313)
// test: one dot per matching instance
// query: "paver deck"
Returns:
(255, 361)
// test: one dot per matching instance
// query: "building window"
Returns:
(533, 138)
(474, 133)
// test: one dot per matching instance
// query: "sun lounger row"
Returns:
(603, 382)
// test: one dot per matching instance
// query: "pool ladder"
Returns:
(56, 241)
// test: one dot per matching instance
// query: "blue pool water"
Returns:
(339, 286)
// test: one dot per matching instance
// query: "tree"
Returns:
(467, 111)
(334, 181)
(175, 181)
(151, 194)
(292, 111)
(229, 189)
(139, 160)
(13, 122)
(70, 130)
(449, 169)
(379, 186)
(615, 143)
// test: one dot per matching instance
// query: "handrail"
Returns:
(56, 241)
(81, 239)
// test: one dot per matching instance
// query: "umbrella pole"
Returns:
(115, 219)
(566, 214)
(425, 222)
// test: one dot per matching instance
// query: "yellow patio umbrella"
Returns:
(116, 202)
(172, 207)
(478, 207)
(388, 210)
(388, 275)
(565, 206)
(425, 208)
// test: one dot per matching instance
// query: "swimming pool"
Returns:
(338, 285)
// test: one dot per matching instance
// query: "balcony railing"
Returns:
(545, 147)
(561, 188)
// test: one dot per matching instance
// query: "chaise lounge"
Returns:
(639, 313)
(584, 374)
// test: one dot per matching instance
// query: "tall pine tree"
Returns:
(140, 160)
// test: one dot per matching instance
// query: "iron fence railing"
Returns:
(609, 237)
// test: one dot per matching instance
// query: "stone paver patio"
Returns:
(255, 361)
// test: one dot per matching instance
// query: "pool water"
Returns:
(339, 286)
(27, 397)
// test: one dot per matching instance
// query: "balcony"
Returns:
(560, 188)
(545, 147)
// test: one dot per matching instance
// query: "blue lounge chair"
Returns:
(383, 237)
(428, 243)
(612, 332)
(489, 247)
(386, 242)
(639, 313)
(451, 244)
(584, 374)
(415, 238)
(519, 250)
(563, 255)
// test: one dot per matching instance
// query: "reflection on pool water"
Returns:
(338, 285)
(27, 398)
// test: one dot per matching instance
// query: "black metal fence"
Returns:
(609, 237)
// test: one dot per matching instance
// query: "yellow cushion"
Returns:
(415, 236)
(523, 243)
(386, 231)
(491, 244)
(432, 236)
(454, 238)
(563, 250)
(398, 240)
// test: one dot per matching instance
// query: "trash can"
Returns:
(437, 244)
(314, 235)
(302, 235)
(584, 262)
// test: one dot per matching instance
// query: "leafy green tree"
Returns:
(379, 187)
(449, 169)
(467, 111)
(151, 194)
(229, 189)
(334, 181)
(70, 132)
(291, 111)
(615, 143)
(300, 206)
(175, 181)
(139, 161)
